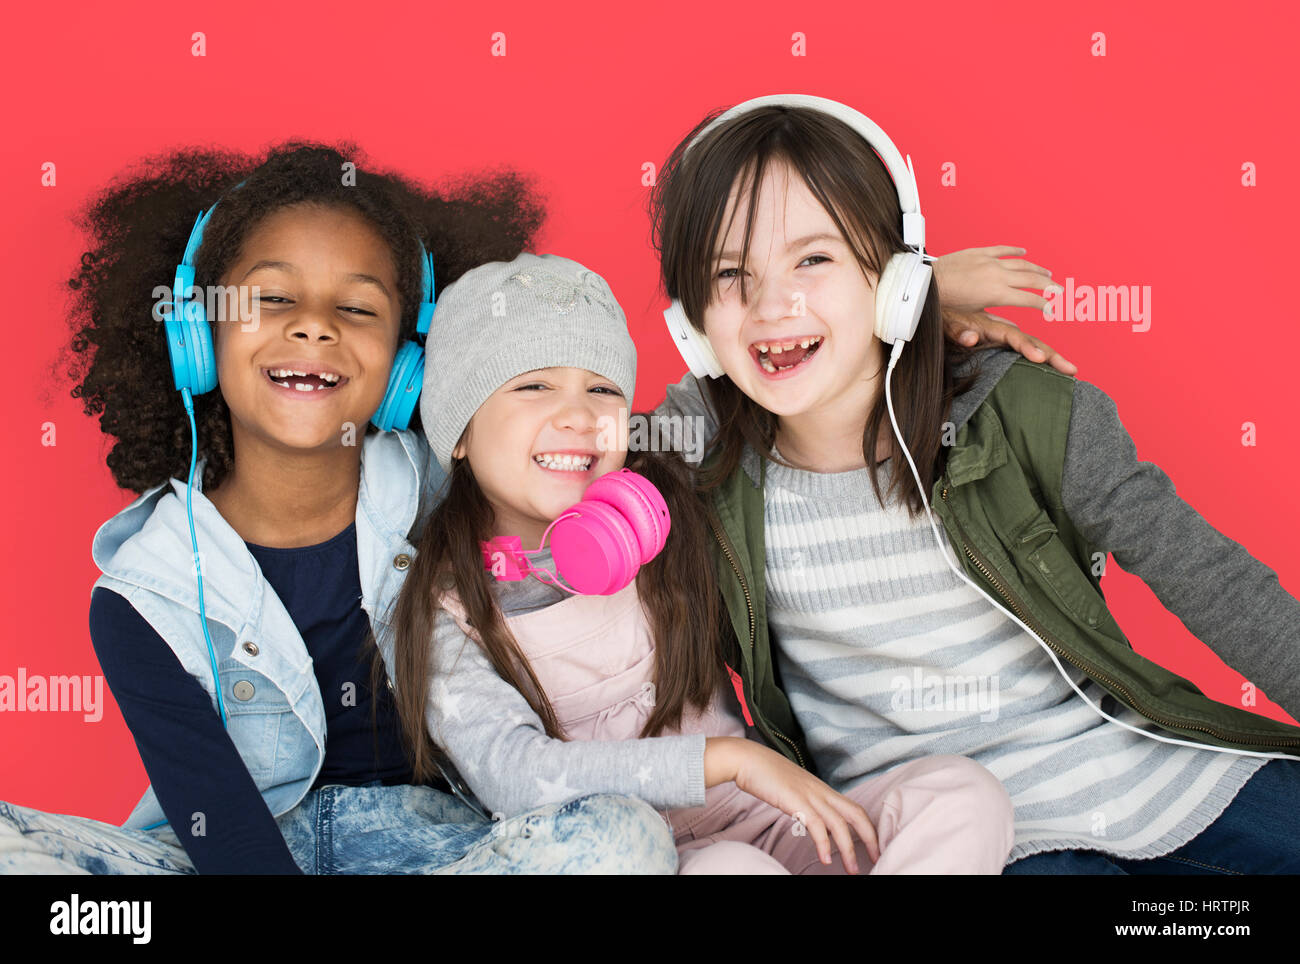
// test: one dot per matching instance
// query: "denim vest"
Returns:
(276, 718)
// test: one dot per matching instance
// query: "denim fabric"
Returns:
(371, 830)
(277, 722)
(1258, 833)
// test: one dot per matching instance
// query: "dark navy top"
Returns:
(191, 760)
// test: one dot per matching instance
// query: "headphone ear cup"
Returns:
(189, 347)
(692, 343)
(403, 392)
(596, 550)
(640, 503)
(900, 296)
(886, 286)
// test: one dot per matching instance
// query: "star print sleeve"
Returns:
(500, 746)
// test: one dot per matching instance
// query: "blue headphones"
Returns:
(194, 366)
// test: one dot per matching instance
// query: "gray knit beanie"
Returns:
(505, 318)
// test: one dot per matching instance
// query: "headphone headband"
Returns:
(900, 169)
(426, 263)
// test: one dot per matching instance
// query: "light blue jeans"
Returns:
(370, 830)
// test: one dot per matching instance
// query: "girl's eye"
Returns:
(729, 274)
(542, 386)
(279, 299)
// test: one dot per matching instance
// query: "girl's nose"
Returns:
(776, 298)
(312, 326)
(576, 412)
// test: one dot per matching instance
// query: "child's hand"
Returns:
(793, 790)
(973, 279)
(973, 328)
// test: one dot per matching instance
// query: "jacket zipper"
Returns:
(987, 570)
(749, 604)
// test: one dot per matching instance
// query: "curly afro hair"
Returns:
(138, 227)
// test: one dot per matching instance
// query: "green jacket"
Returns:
(999, 500)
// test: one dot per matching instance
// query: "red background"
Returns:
(1123, 169)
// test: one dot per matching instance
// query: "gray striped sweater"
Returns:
(887, 656)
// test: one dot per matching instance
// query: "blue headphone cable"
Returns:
(198, 571)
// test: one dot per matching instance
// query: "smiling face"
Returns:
(803, 345)
(533, 446)
(328, 314)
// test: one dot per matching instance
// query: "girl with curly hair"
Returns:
(236, 614)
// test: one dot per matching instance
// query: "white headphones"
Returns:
(903, 284)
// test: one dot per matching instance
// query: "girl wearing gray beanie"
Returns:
(537, 696)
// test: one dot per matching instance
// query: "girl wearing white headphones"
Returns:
(792, 245)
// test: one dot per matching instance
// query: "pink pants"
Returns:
(936, 815)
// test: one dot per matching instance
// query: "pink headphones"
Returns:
(599, 544)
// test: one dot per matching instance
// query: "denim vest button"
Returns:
(243, 690)
(250, 649)
(390, 686)
(401, 561)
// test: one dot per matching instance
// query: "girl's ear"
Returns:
(460, 450)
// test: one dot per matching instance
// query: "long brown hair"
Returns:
(678, 590)
(687, 207)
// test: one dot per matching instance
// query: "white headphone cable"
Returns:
(889, 404)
